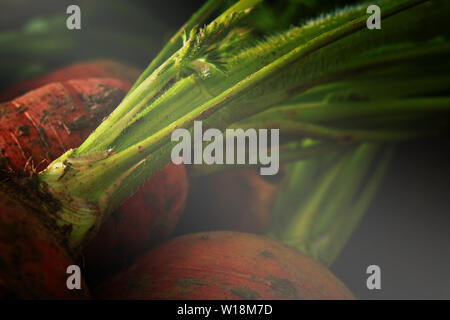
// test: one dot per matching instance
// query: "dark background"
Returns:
(127, 31)
(405, 231)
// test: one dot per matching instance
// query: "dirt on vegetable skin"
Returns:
(223, 265)
(44, 123)
(101, 68)
(33, 260)
(41, 125)
(145, 219)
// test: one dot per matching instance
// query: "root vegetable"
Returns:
(44, 123)
(41, 125)
(238, 200)
(92, 180)
(224, 265)
(33, 263)
(143, 220)
(91, 69)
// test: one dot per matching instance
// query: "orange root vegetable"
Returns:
(224, 265)
(238, 200)
(91, 69)
(44, 123)
(143, 220)
(33, 263)
(41, 125)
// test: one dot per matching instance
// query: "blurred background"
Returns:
(34, 37)
(405, 231)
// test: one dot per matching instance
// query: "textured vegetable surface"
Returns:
(224, 265)
(65, 112)
(143, 220)
(90, 69)
(33, 262)
(44, 123)
(238, 200)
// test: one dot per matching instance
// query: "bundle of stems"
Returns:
(220, 75)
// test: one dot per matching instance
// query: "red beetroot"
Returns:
(143, 220)
(238, 200)
(33, 263)
(41, 125)
(44, 123)
(224, 265)
(91, 69)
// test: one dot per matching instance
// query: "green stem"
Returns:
(295, 130)
(297, 231)
(327, 112)
(96, 177)
(339, 225)
(320, 221)
(287, 154)
(302, 179)
(176, 40)
(121, 117)
(150, 89)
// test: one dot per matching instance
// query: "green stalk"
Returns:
(165, 110)
(302, 179)
(328, 112)
(297, 232)
(297, 130)
(182, 61)
(124, 150)
(402, 82)
(335, 228)
(335, 186)
(176, 40)
(319, 222)
(288, 153)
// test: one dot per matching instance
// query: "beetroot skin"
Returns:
(237, 200)
(44, 123)
(33, 264)
(41, 125)
(143, 220)
(102, 68)
(224, 265)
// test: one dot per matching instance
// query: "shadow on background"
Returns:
(406, 230)
(34, 38)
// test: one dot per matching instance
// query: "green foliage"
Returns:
(327, 64)
(274, 16)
